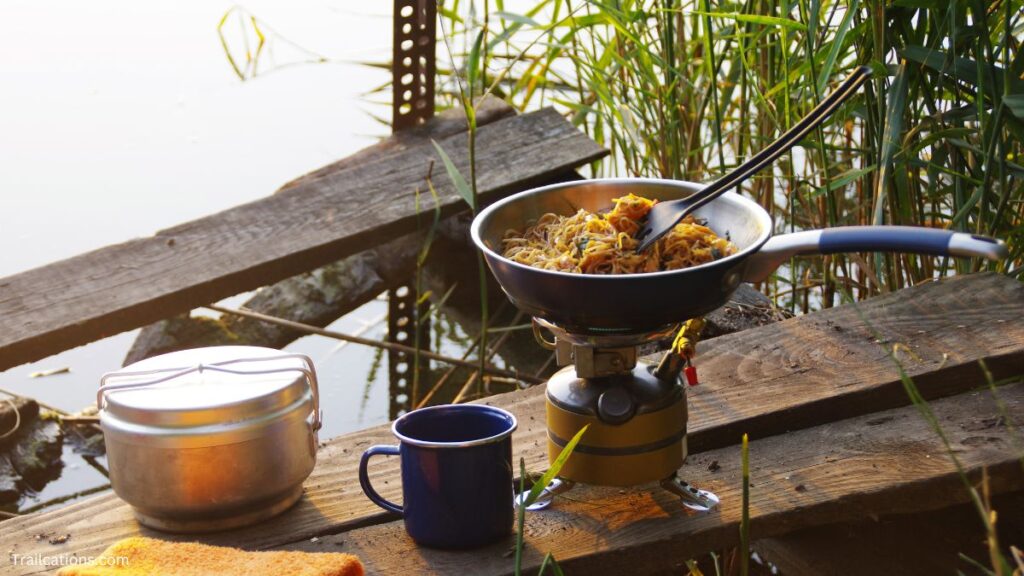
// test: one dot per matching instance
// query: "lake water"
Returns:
(122, 118)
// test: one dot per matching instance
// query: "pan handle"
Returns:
(911, 239)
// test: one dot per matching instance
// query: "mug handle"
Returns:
(364, 477)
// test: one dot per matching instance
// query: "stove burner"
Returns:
(693, 498)
(599, 338)
(690, 497)
(635, 410)
(547, 495)
(600, 353)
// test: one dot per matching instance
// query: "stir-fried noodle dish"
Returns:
(589, 243)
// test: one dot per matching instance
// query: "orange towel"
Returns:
(148, 556)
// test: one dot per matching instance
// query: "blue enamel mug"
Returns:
(456, 464)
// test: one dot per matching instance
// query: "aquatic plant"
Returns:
(688, 88)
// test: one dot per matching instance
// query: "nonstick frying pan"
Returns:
(588, 303)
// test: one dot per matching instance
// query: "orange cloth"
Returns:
(148, 557)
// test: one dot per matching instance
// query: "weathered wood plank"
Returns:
(839, 363)
(815, 375)
(447, 123)
(889, 462)
(924, 544)
(320, 296)
(319, 220)
(317, 298)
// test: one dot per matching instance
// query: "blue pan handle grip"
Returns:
(364, 477)
(910, 239)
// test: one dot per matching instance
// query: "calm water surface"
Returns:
(121, 118)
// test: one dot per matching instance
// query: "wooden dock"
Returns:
(340, 210)
(834, 439)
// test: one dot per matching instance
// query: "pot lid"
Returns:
(205, 386)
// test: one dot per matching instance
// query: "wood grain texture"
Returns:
(888, 462)
(842, 361)
(447, 123)
(316, 221)
(793, 374)
(926, 544)
(318, 298)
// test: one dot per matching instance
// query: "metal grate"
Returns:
(412, 81)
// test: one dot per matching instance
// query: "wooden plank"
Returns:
(323, 295)
(316, 221)
(333, 502)
(447, 123)
(891, 462)
(835, 372)
(839, 362)
(909, 544)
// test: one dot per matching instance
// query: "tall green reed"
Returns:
(253, 48)
(688, 88)
(467, 91)
(422, 313)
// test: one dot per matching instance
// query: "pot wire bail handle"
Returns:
(171, 373)
(539, 336)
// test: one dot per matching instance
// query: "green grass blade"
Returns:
(519, 19)
(964, 69)
(461, 186)
(837, 44)
(896, 107)
(755, 19)
(224, 44)
(549, 560)
(521, 519)
(745, 516)
(555, 468)
(473, 63)
(1015, 104)
(842, 180)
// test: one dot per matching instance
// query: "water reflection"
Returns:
(122, 118)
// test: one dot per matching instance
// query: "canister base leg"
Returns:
(547, 496)
(692, 498)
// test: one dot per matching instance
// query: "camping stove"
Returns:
(636, 412)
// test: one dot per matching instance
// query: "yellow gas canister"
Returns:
(637, 422)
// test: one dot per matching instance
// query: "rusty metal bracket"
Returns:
(412, 85)
(413, 62)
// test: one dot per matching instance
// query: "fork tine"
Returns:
(654, 226)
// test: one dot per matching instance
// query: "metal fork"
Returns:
(665, 215)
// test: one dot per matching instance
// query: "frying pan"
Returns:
(629, 303)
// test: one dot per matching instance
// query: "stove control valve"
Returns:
(685, 343)
(691, 374)
(615, 406)
(678, 359)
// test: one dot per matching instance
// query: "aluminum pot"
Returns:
(586, 303)
(210, 438)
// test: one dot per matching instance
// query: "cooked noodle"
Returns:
(589, 243)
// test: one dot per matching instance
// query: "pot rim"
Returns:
(514, 423)
(481, 220)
